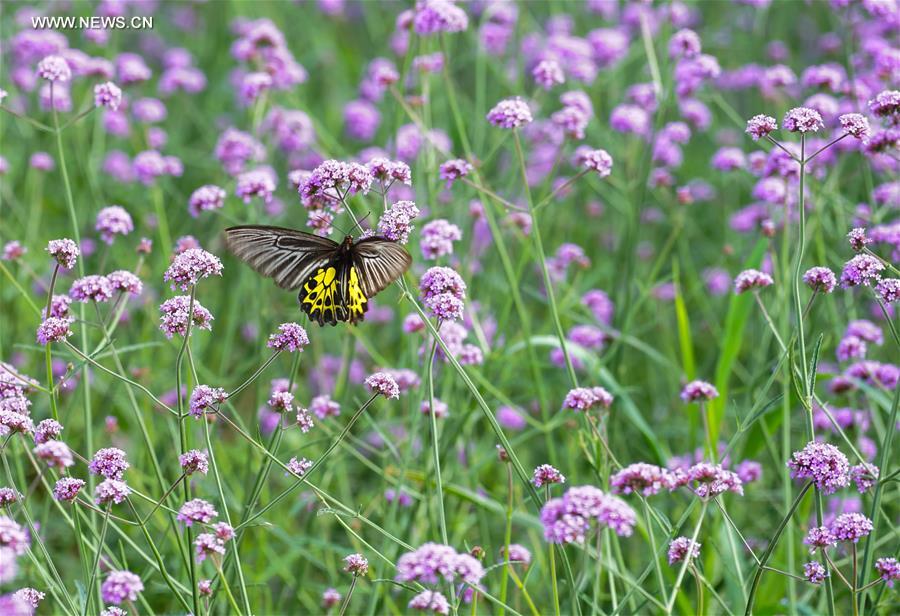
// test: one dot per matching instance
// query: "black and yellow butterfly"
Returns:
(335, 280)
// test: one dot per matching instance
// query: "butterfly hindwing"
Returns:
(285, 255)
(333, 293)
(379, 262)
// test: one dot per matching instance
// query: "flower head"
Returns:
(190, 266)
(681, 548)
(65, 251)
(194, 461)
(204, 398)
(107, 95)
(699, 391)
(802, 120)
(109, 462)
(888, 569)
(454, 169)
(586, 398)
(819, 537)
(357, 564)
(855, 124)
(640, 478)
(111, 491)
(299, 467)
(197, 510)
(382, 383)
(396, 222)
(510, 113)
(438, 237)
(54, 329)
(851, 527)
(760, 126)
(121, 586)
(888, 289)
(823, 464)
(113, 220)
(863, 269)
(820, 279)
(546, 475)
(55, 453)
(548, 73)
(814, 572)
(206, 198)
(886, 103)
(55, 69)
(751, 279)
(174, 316)
(599, 161)
(291, 337)
(430, 601)
(443, 291)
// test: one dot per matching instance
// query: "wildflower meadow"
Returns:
(549, 307)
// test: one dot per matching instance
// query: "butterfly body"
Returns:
(335, 280)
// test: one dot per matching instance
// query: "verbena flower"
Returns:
(191, 266)
(510, 113)
(323, 406)
(197, 510)
(357, 564)
(55, 454)
(546, 475)
(699, 391)
(194, 461)
(383, 384)
(684, 44)
(888, 289)
(823, 464)
(851, 527)
(888, 569)
(819, 537)
(107, 95)
(682, 548)
(208, 545)
(548, 73)
(596, 160)
(802, 120)
(65, 251)
(641, 478)
(205, 399)
(8, 496)
(820, 279)
(109, 462)
(886, 103)
(437, 238)
(30, 596)
(121, 586)
(291, 337)
(396, 222)
(443, 291)
(864, 476)
(454, 169)
(13, 536)
(125, 282)
(751, 279)
(706, 480)
(206, 198)
(863, 269)
(760, 126)
(174, 316)
(430, 601)
(111, 491)
(12, 422)
(55, 69)
(91, 288)
(568, 519)
(855, 124)
(54, 329)
(440, 408)
(330, 598)
(436, 16)
(586, 398)
(814, 572)
(13, 250)
(857, 238)
(432, 562)
(256, 183)
(299, 467)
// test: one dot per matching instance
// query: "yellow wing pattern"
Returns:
(330, 296)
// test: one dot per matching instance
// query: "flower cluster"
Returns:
(568, 519)
(443, 291)
(432, 562)
(586, 398)
(823, 464)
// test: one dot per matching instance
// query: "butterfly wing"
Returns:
(289, 257)
(378, 263)
(322, 295)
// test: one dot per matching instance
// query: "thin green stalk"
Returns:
(228, 592)
(659, 573)
(684, 565)
(100, 541)
(554, 587)
(435, 450)
(542, 259)
(346, 601)
(54, 410)
(507, 537)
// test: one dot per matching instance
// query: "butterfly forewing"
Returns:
(289, 257)
(379, 262)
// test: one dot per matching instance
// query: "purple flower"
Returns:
(851, 527)
(55, 453)
(698, 391)
(174, 316)
(760, 126)
(443, 291)
(684, 44)
(30, 596)
(568, 519)
(8, 496)
(598, 161)
(357, 564)
(54, 329)
(12, 536)
(91, 288)
(748, 470)
(194, 461)
(197, 510)
(802, 120)
(430, 601)
(641, 478)
(111, 491)
(361, 120)
(823, 464)
(13, 250)
(204, 398)
(67, 488)
(121, 586)
(857, 238)
(454, 169)
(107, 95)
(125, 282)
(65, 251)
(437, 238)
(256, 183)
(510, 418)
(281, 401)
(546, 475)
(389, 171)
(855, 124)
(440, 408)
(510, 113)
(751, 279)
(395, 223)
(630, 119)
(382, 383)
(55, 69)
(818, 538)
(707, 480)
(12, 422)
(112, 221)
(888, 569)
(435, 16)
(548, 73)
(299, 467)
(681, 548)
(586, 398)
(863, 269)
(206, 198)
(290, 337)
(864, 476)
(235, 149)
(323, 406)
(820, 279)
(432, 561)
(109, 462)
(888, 289)
(208, 545)
(814, 572)
(190, 266)
(334, 180)
(330, 598)
(886, 103)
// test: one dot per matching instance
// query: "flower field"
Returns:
(486, 307)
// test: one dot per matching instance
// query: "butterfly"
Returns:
(335, 280)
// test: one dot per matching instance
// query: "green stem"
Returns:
(553, 584)
(100, 541)
(687, 560)
(507, 538)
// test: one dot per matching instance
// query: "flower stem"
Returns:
(346, 602)
(553, 585)
(687, 560)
